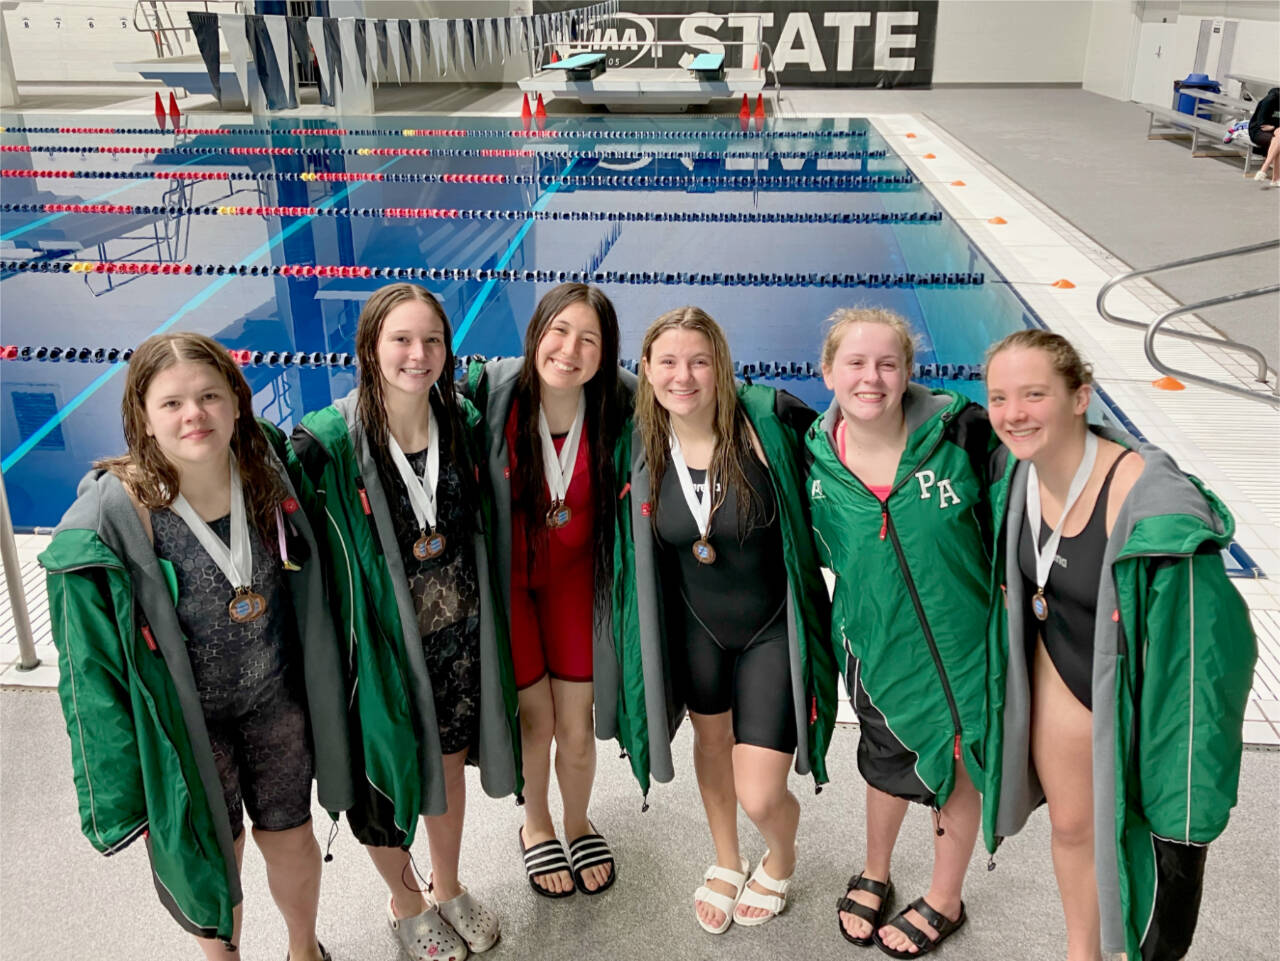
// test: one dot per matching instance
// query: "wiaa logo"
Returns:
(625, 34)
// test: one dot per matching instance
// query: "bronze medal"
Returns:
(559, 515)
(428, 546)
(703, 552)
(1040, 606)
(246, 606)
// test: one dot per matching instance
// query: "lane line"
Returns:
(476, 305)
(67, 410)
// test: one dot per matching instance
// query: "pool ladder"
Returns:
(1157, 327)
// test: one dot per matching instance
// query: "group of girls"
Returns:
(429, 574)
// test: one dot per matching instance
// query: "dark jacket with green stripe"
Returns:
(911, 596)
(491, 386)
(1173, 657)
(140, 752)
(340, 488)
(649, 711)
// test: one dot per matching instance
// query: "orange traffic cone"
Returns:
(540, 113)
(526, 112)
(159, 110)
(755, 62)
(1168, 383)
(760, 108)
(174, 113)
(555, 57)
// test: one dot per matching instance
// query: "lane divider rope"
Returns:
(446, 132)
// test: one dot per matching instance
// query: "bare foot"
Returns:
(557, 882)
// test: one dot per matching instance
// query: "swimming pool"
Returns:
(270, 237)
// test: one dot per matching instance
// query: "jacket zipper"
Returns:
(886, 527)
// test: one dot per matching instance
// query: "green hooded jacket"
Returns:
(1173, 657)
(339, 486)
(911, 596)
(140, 752)
(648, 708)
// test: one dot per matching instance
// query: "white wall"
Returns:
(1011, 41)
(1114, 27)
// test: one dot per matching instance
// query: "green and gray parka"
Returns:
(339, 486)
(140, 752)
(911, 594)
(491, 386)
(1173, 656)
(649, 712)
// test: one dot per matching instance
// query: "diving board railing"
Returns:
(27, 659)
(1157, 328)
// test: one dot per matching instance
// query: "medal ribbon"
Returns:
(699, 507)
(236, 563)
(421, 490)
(558, 468)
(1046, 554)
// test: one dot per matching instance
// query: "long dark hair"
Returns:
(148, 474)
(601, 429)
(732, 428)
(370, 399)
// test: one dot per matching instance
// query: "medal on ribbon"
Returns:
(422, 491)
(1045, 555)
(699, 505)
(558, 467)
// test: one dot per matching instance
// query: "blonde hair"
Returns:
(838, 325)
(1063, 356)
(733, 432)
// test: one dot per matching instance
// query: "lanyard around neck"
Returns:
(1045, 555)
(421, 490)
(236, 562)
(558, 468)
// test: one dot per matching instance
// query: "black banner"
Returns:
(814, 43)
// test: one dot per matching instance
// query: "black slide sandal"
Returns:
(542, 859)
(940, 922)
(873, 916)
(589, 851)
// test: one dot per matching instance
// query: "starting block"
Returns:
(581, 66)
(708, 66)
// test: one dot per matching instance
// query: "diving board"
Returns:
(580, 66)
(646, 88)
(708, 66)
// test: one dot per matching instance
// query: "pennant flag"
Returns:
(313, 39)
(233, 28)
(333, 49)
(353, 45)
(504, 38)
(491, 38)
(421, 51)
(371, 50)
(440, 45)
(278, 31)
(205, 28)
(406, 46)
(384, 44)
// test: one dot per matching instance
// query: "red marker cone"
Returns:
(526, 114)
(555, 57)
(760, 107)
(159, 110)
(174, 113)
(755, 62)
(540, 113)
(744, 112)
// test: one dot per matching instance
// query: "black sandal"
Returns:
(941, 923)
(542, 859)
(875, 916)
(589, 851)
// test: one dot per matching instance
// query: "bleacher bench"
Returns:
(708, 66)
(1165, 122)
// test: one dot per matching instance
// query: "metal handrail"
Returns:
(160, 33)
(1156, 327)
(13, 581)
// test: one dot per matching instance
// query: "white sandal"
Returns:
(475, 923)
(774, 903)
(721, 902)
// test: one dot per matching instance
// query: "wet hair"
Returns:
(370, 398)
(1063, 356)
(732, 429)
(148, 473)
(601, 428)
(838, 325)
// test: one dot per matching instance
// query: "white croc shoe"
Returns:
(427, 936)
(475, 923)
(774, 903)
(721, 902)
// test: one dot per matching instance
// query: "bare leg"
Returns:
(1062, 750)
(444, 831)
(884, 819)
(214, 949)
(576, 763)
(293, 875)
(537, 728)
(407, 899)
(1272, 161)
(951, 853)
(760, 780)
(713, 765)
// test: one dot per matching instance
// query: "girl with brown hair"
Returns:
(719, 605)
(552, 419)
(193, 641)
(389, 472)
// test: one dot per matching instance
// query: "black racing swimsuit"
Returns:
(249, 688)
(730, 628)
(1072, 593)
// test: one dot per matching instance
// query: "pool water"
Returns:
(768, 233)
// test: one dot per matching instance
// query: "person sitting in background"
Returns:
(1262, 129)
